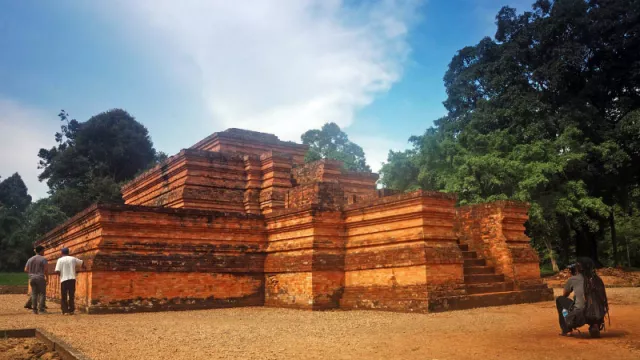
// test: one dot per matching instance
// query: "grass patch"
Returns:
(546, 270)
(14, 278)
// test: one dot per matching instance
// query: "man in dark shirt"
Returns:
(574, 307)
(36, 268)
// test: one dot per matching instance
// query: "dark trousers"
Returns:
(38, 293)
(29, 302)
(563, 302)
(68, 292)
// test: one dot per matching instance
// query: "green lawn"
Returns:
(546, 270)
(13, 278)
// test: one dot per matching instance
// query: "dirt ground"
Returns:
(612, 277)
(25, 349)
(527, 331)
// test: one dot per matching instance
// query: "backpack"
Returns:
(597, 305)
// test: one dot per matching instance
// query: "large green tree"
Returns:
(330, 142)
(14, 245)
(547, 112)
(92, 159)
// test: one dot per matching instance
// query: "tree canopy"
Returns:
(332, 143)
(92, 159)
(89, 164)
(547, 112)
(14, 200)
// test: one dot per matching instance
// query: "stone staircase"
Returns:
(484, 287)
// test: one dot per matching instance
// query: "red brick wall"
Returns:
(305, 259)
(124, 291)
(496, 232)
(152, 259)
(251, 143)
(400, 251)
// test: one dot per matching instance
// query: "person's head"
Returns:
(574, 269)
(586, 265)
(65, 251)
(39, 249)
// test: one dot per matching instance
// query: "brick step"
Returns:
(469, 255)
(464, 247)
(490, 299)
(483, 278)
(474, 262)
(488, 288)
(473, 270)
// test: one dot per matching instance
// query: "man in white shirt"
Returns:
(66, 268)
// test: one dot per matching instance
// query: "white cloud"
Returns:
(282, 66)
(23, 131)
(376, 149)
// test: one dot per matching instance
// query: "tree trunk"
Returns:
(554, 263)
(628, 254)
(565, 240)
(614, 240)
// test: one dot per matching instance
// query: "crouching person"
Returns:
(66, 268)
(571, 312)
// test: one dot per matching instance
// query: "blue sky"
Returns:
(187, 69)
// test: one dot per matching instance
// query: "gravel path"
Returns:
(527, 331)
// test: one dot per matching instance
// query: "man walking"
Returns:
(66, 267)
(36, 268)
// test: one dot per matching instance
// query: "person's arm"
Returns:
(26, 266)
(568, 288)
(46, 278)
(58, 266)
(78, 261)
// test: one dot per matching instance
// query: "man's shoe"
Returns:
(72, 313)
(594, 331)
(43, 312)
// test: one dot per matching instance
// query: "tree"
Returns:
(92, 159)
(13, 193)
(546, 113)
(332, 143)
(14, 200)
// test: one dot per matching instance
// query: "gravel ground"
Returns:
(527, 331)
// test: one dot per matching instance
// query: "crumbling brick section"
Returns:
(496, 232)
(239, 220)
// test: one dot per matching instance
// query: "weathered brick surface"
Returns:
(251, 142)
(239, 220)
(496, 231)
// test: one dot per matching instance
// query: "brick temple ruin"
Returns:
(239, 219)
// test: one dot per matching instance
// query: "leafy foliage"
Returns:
(332, 143)
(14, 200)
(89, 164)
(547, 113)
(92, 159)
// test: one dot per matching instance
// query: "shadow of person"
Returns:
(611, 334)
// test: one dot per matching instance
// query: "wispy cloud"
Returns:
(282, 66)
(23, 131)
(377, 148)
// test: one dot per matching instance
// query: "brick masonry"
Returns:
(239, 220)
